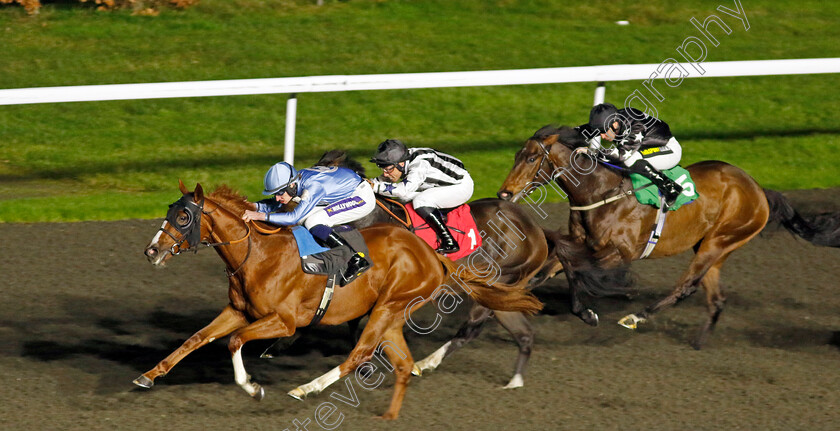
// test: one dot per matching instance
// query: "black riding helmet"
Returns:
(389, 153)
(602, 116)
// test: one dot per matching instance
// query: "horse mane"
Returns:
(568, 136)
(342, 159)
(230, 199)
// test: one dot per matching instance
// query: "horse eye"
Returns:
(531, 159)
(182, 219)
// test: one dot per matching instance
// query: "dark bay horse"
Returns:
(731, 210)
(517, 245)
(270, 296)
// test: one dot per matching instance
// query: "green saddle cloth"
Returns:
(650, 195)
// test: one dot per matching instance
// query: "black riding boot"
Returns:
(357, 264)
(668, 187)
(435, 220)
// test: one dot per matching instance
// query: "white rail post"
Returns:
(289, 143)
(600, 91)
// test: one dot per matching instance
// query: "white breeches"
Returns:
(444, 196)
(347, 210)
(661, 158)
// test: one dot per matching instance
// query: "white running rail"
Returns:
(335, 83)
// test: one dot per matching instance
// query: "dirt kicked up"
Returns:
(83, 314)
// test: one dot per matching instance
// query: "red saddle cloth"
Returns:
(462, 225)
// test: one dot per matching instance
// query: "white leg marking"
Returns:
(242, 378)
(432, 361)
(515, 382)
(319, 384)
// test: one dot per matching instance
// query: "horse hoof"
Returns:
(144, 382)
(590, 317)
(260, 394)
(515, 382)
(416, 371)
(297, 393)
(631, 321)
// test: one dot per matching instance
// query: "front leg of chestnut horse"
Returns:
(271, 326)
(226, 322)
(376, 333)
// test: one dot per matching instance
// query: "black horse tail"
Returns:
(583, 269)
(822, 229)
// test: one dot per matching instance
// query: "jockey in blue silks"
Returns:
(327, 196)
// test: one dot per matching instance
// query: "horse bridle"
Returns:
(191, 230)
(547, 157)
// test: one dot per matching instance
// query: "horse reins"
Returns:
(406, 222)
(624, 194)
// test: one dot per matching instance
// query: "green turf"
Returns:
(122, 159)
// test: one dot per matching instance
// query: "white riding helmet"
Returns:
(278, 177)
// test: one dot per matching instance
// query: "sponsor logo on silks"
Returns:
(344, 205)
(647, 152)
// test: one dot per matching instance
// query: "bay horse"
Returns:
(517, 244)
(731, 209)
(270, 296)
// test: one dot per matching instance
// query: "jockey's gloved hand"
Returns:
(581, 150)
(377, 185)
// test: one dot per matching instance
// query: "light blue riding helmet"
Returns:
(278, 177)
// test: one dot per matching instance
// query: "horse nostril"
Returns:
(504, 194)
(151, 252)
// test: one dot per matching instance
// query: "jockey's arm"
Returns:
(309, 198)
(593, 138)
(413, 180)
(267, 205)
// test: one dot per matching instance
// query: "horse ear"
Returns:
(199, 192)
(182, 187)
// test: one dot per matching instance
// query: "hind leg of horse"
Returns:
(380, 321)
(468, 331)
(685, 288)
(226, 322)
(579, 308)
(271, 326)
(400, 358)
(520, 327)
(715, 300)
(712, 252)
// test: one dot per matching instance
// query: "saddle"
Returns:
(459, 220)
(315, 259)
(648, 194)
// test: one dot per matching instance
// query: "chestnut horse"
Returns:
(731, 210)
(270, 295)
